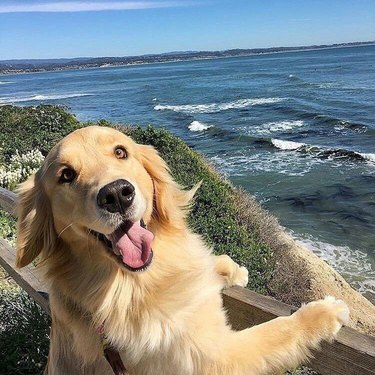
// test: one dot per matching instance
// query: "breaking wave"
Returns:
(9, 100)
(197, 126)
(340, 124)
(241, 165)
(217, 107)
(287, 145)
(275, 127)
(320, 152)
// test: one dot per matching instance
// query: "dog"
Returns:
(108, 224)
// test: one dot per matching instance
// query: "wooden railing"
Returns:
(353, 353)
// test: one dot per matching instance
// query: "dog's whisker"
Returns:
(69, 225)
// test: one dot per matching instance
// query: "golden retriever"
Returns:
(108, 222)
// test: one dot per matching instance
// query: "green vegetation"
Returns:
(221, 214)
(7, 227)
(24, 332)
(33, 128)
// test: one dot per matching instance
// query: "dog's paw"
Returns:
(232, 273)
(326, 316)
(339, 308)
(241, 277)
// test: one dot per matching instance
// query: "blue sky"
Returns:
(52, 28)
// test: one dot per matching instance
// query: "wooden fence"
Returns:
(353, 353)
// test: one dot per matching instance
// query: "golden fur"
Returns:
(167, 320)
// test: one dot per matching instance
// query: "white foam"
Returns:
(286, 163)
(217, 107)
(197, 126)
(284, 125)
(369, 157)
(328, 85)
(5, 83)
(286, 145)
(354, 265)
(7, 100)
(274, 127)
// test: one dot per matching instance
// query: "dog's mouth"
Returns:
(129, 244)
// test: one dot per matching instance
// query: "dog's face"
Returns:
(95, 179)
(98, 188)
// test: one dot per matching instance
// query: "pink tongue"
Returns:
(134, 244)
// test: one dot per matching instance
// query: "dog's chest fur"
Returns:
(161, 325)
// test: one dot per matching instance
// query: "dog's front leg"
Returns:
(66, 355)
(284, 342)
(232, 273)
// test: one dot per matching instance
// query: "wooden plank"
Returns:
(25, 277)
(247, 308)
(353, 353)
(8, 201)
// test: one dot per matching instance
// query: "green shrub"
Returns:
(7, 227)
(29, 128)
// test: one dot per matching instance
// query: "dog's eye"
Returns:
(67, 175)
(121, 153)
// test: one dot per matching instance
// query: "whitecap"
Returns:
(368, 157)
(240, 164)
(197, 126)
(274, 127)
(5, 83)
(8, 100)
(284, 125)
(286, 145)
(217, 107)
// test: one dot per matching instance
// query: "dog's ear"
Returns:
(35, 229)
(171, 201)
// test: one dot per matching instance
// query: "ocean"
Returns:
(296, 130)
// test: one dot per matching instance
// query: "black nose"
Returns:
(116, 196)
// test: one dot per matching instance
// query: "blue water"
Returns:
(297, 130)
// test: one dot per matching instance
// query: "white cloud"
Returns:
(88, 6)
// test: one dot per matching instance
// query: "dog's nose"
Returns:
(117, 196)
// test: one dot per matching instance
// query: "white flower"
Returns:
(19, 168)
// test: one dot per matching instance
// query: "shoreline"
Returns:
(180, 60)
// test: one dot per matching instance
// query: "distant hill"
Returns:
(41, 65)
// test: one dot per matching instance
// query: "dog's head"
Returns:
(98, 189)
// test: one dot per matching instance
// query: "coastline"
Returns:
(186, 59)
